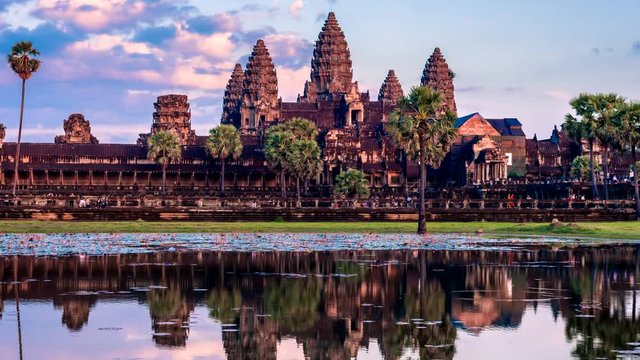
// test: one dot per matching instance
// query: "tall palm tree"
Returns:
(584, 126)
(627, 125)
(164, 148)
(304, 161)
(223, 143)
(276, 147)
(301, 128)
(22, 60)
(422, 127)
(606, 107)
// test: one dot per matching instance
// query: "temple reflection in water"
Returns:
(336, 304)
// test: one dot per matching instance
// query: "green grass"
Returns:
(603, 230)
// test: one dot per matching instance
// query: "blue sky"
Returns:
(110, 59)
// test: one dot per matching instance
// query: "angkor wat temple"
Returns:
(351, 127)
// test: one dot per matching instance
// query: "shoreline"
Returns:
(599, 231)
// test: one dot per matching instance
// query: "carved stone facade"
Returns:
(172, 114)
(438, 76)
(260, 104)
(233, 98)
(77, 130)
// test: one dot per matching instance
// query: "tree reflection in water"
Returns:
(335, 303)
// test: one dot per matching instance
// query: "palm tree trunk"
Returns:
(634, 165)
(422, 224)
(605, 168)
(298, 187)
(594, 181)
(164, 178)
(17, 295)
(16, 160)
(283, 186)
(222, 177)
(305, 187)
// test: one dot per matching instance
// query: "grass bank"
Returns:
(605, 230)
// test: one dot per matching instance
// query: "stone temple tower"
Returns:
(260, 104)
(391, 90)
(233, 98)
(438, 76)
(331, 73)
(172, 114)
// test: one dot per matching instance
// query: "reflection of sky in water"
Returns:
(44, 337)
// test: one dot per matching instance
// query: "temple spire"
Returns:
(233, 98)
(391, 90)
(259, 90)
(331, 72)
(438, 76)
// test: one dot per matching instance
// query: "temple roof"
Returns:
(331, 63)
(506, 126)
(260, 78)
(391, 90)
(232, 95)
(437, 75)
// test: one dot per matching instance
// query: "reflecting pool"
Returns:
(530, 302)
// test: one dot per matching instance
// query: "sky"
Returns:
(110, 59)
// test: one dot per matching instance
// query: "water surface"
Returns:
(507, 302)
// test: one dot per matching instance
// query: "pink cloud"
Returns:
(92, 15)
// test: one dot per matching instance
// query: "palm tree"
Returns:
(301, 128)
(304, 161)
(224, 142)
(584, 127)
(23, 62)
(164, 148)
(580, 167)
(352, 184)
(627, 124)
(606, 107)
(424, 130)
(276, 147)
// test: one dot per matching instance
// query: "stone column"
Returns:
(75, 178)
(90, 178)
(31, 176)
(120, 178)
(61, 178)
(106, 182)
(135, 177)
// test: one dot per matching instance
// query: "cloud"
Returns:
(291, 81)
(470, 89)
(295, 7)
(92, 15)
(635, 47)
(216, 45)
(155, 35)
(598, 51)
(221, 22)
(106, 42)
(289, 50)
(513, 88)
(47, 38)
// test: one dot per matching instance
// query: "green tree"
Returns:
(276, 146)
(580, 167)
(606, 108)
(421, 127)
(223, 143)
(22, 60)
(584, 126)
(627, 124)
(288, 143)
(304, 161)
(352, 184)
(164, 148)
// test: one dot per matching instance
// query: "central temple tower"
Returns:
(331, 73)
